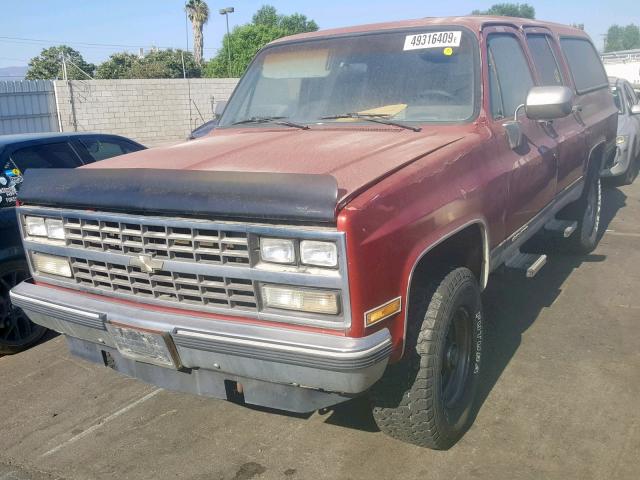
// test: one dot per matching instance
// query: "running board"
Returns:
(563, 228)
(529, 262)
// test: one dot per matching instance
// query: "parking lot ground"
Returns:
(560, 398)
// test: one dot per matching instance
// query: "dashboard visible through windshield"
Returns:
(422, 76)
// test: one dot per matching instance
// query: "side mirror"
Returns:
(548, 103)
(635, 110)
(219, 108)
(514, 134)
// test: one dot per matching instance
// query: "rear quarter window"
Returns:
(584, 63)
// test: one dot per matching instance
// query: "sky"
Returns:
(117, 25)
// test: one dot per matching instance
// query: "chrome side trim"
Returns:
(514, 241)
(485, 264)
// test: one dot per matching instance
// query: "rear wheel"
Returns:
(427, 398)
(586, 211)
(17, 332)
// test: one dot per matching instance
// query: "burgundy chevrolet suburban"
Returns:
(332, 237)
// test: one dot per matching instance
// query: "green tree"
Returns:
(266, 15)
(198, 13)
(622, 38)
(522, 10)
(48, 65)
(165, 64)
(246, 40)
(119, 65)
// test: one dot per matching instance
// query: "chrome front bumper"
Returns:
(277, 367)
(620, 163)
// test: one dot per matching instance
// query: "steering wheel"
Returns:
(436, 93)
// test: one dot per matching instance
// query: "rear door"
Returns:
(597, 114)
(568, 132)
(533, 166)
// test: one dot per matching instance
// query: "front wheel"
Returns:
(17, 332)
(427, 398)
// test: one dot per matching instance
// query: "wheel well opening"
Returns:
(463, 249)
(596, 160)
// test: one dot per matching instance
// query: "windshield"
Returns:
(419, 76)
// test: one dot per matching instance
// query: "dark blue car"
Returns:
(19, 153)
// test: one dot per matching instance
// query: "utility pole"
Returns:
(184, 76)
(64, 67)
(74, 120)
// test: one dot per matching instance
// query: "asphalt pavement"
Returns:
(560, 398)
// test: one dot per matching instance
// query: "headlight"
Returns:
(51, 264)
(321, 254)
(55, 229)
(51, 228)
(35, 226)
(277, 250)
(621, 139)
(301, 299)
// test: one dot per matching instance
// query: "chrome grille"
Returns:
(161, 241)
(180, 288)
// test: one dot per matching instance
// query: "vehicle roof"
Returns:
(37, 137)
(473, 22)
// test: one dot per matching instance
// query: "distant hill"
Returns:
(13, 73)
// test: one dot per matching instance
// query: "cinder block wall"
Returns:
(153, 111)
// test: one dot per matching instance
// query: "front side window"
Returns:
(544, 60)
(509, 75)
(425, 76)
(584, 63)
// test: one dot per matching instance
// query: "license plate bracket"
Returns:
(144, 345)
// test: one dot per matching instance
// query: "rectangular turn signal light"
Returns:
(382, 312)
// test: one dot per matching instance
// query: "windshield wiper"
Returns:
(372, 117)
(276, 120)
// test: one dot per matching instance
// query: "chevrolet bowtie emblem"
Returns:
(146, 263)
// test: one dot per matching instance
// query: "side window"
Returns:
(585, 65)
(102, 149)
(52, 155)
(509, 75)
(544, 60)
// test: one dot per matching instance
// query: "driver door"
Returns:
(532, 167)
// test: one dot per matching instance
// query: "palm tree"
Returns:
(198, 13)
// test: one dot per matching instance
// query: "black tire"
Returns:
(427, 398)
(586, 211)
(17, 332)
